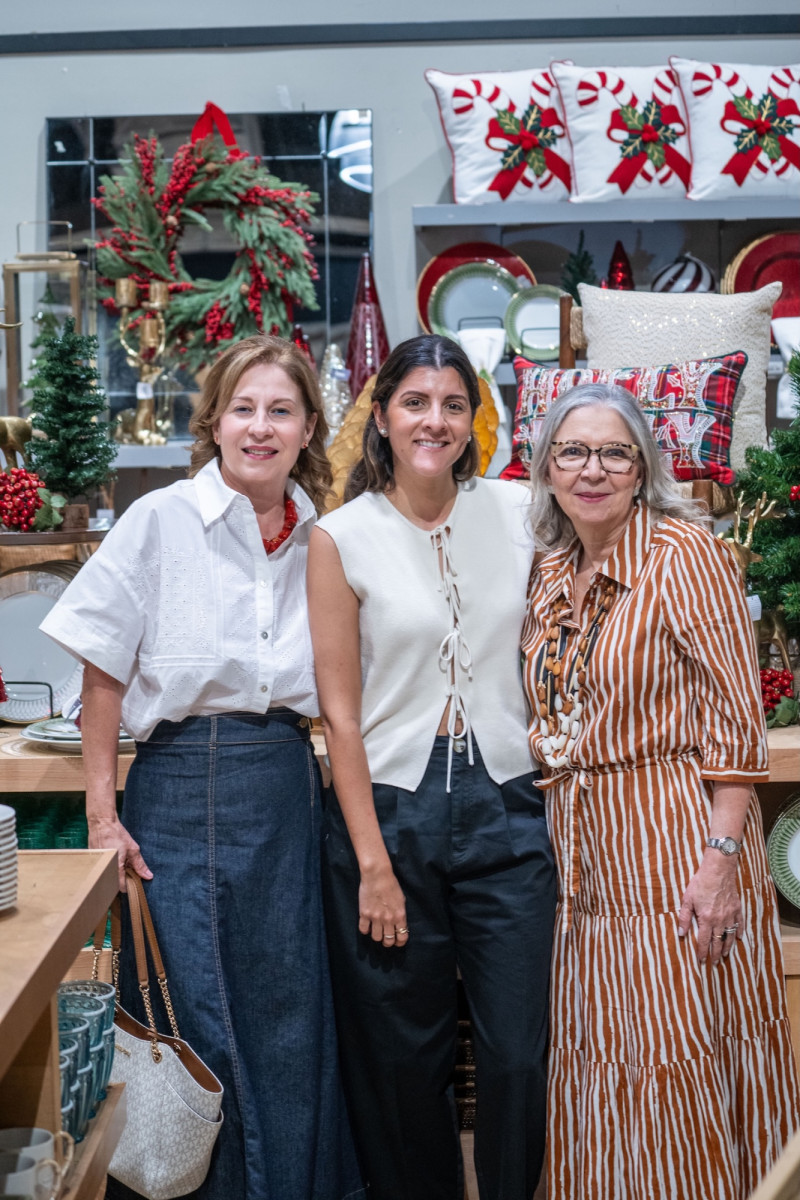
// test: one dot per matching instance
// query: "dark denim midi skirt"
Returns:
(226, 811)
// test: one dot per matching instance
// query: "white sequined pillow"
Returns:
(744, 128)
(506, 134)
(645, 329)
(627, 131)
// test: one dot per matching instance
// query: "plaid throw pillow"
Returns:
(689, 406)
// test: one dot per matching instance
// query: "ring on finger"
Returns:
(401, 929)
(731, 929)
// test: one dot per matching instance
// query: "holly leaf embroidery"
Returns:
(508, 122)
(652, 114)
(746, 141)
(667, 134)
(657, 154)
(746, 108)
(632, 146)
(631, 116)
(531, 118)
(536, 161)
(784, 127)
(771, 144)
(768, 106)
(513, 157)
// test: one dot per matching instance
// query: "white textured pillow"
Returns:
(627, 130)
(743, 128)
(645, 329)
(506, 134)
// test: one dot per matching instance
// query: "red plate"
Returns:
(456, 256)
(776, 256)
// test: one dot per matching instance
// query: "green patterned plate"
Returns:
(783, 850)
(532, 322)
(469, 295)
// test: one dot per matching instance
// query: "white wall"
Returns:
(412, 164)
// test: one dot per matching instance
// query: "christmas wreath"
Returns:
(149, 205)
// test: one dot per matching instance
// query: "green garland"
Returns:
(148, 206)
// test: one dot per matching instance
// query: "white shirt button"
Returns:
(264, 633)
(264, 687)
(262, 582)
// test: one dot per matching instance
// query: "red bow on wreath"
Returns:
(647, 138)
(762, 126)
(530, 138)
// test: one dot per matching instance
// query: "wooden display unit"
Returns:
(62, 896)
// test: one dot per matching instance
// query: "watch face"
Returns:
(728, 845)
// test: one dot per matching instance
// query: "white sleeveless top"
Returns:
(440, 618)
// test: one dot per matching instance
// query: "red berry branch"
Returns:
(25, 502)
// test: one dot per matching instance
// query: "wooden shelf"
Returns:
(62, 896)
(26, 767)
(92, 1156)
(52, 537)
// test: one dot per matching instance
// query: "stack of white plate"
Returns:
(8, 857)
(64, 736)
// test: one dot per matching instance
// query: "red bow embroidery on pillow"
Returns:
(646, 140)
(762, 128)
(526, 143)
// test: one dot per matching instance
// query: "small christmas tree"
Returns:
(71, 449)
(777, 472)
(579, 268)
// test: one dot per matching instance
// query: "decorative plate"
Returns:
(468, 296)
(457, 256)
(773, 257)
(532, 322)
(783, 850)
(31, 659)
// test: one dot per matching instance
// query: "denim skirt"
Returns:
(226, 811)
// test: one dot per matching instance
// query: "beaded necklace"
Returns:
(561, 698)
(289, 522)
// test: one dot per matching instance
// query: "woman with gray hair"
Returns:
(642, 676)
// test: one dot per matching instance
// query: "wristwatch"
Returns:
(726, 845)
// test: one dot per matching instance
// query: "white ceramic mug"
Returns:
(38, 1144)
(21, 1174)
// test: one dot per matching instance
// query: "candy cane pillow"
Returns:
(744, 128)
(627, 131)
(506, 135)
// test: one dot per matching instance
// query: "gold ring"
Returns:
(404, 929)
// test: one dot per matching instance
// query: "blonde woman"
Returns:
(191, 621)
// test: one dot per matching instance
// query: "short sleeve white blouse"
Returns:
(182, 604)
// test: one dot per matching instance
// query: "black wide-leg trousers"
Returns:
(477, 872)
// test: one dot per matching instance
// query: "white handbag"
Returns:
(173, 1100)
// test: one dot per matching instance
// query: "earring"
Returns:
(304, 446)
(469, 439)
(383, 432)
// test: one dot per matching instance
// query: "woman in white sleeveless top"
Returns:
(437, 858)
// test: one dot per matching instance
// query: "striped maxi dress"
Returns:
(668, 1078)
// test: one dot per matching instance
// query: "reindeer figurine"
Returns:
(771, 629)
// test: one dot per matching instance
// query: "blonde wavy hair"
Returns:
(312, 469)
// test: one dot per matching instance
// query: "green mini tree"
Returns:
(777, 472)
(578, 268)
(71, 449)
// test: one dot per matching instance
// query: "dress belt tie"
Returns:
(455, 659)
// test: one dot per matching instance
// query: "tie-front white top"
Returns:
(440, 617)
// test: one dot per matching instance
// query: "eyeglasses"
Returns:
(616, 458)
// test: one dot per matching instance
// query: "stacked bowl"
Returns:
(8, 857)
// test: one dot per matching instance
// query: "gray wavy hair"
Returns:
(659, 490)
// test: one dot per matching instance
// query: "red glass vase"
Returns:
(368, 347)
(620, 272)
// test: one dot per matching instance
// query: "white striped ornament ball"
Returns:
(686, 274)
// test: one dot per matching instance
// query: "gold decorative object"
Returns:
(15, 432)
(485, 425)
(145, 425)
(63, 270)
(771, 627)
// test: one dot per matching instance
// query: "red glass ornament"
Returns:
(620, 273)
(301, 341)
(368, 347)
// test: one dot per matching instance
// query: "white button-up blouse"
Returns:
(182, 604)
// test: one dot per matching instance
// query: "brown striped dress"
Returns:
(669, 1079)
